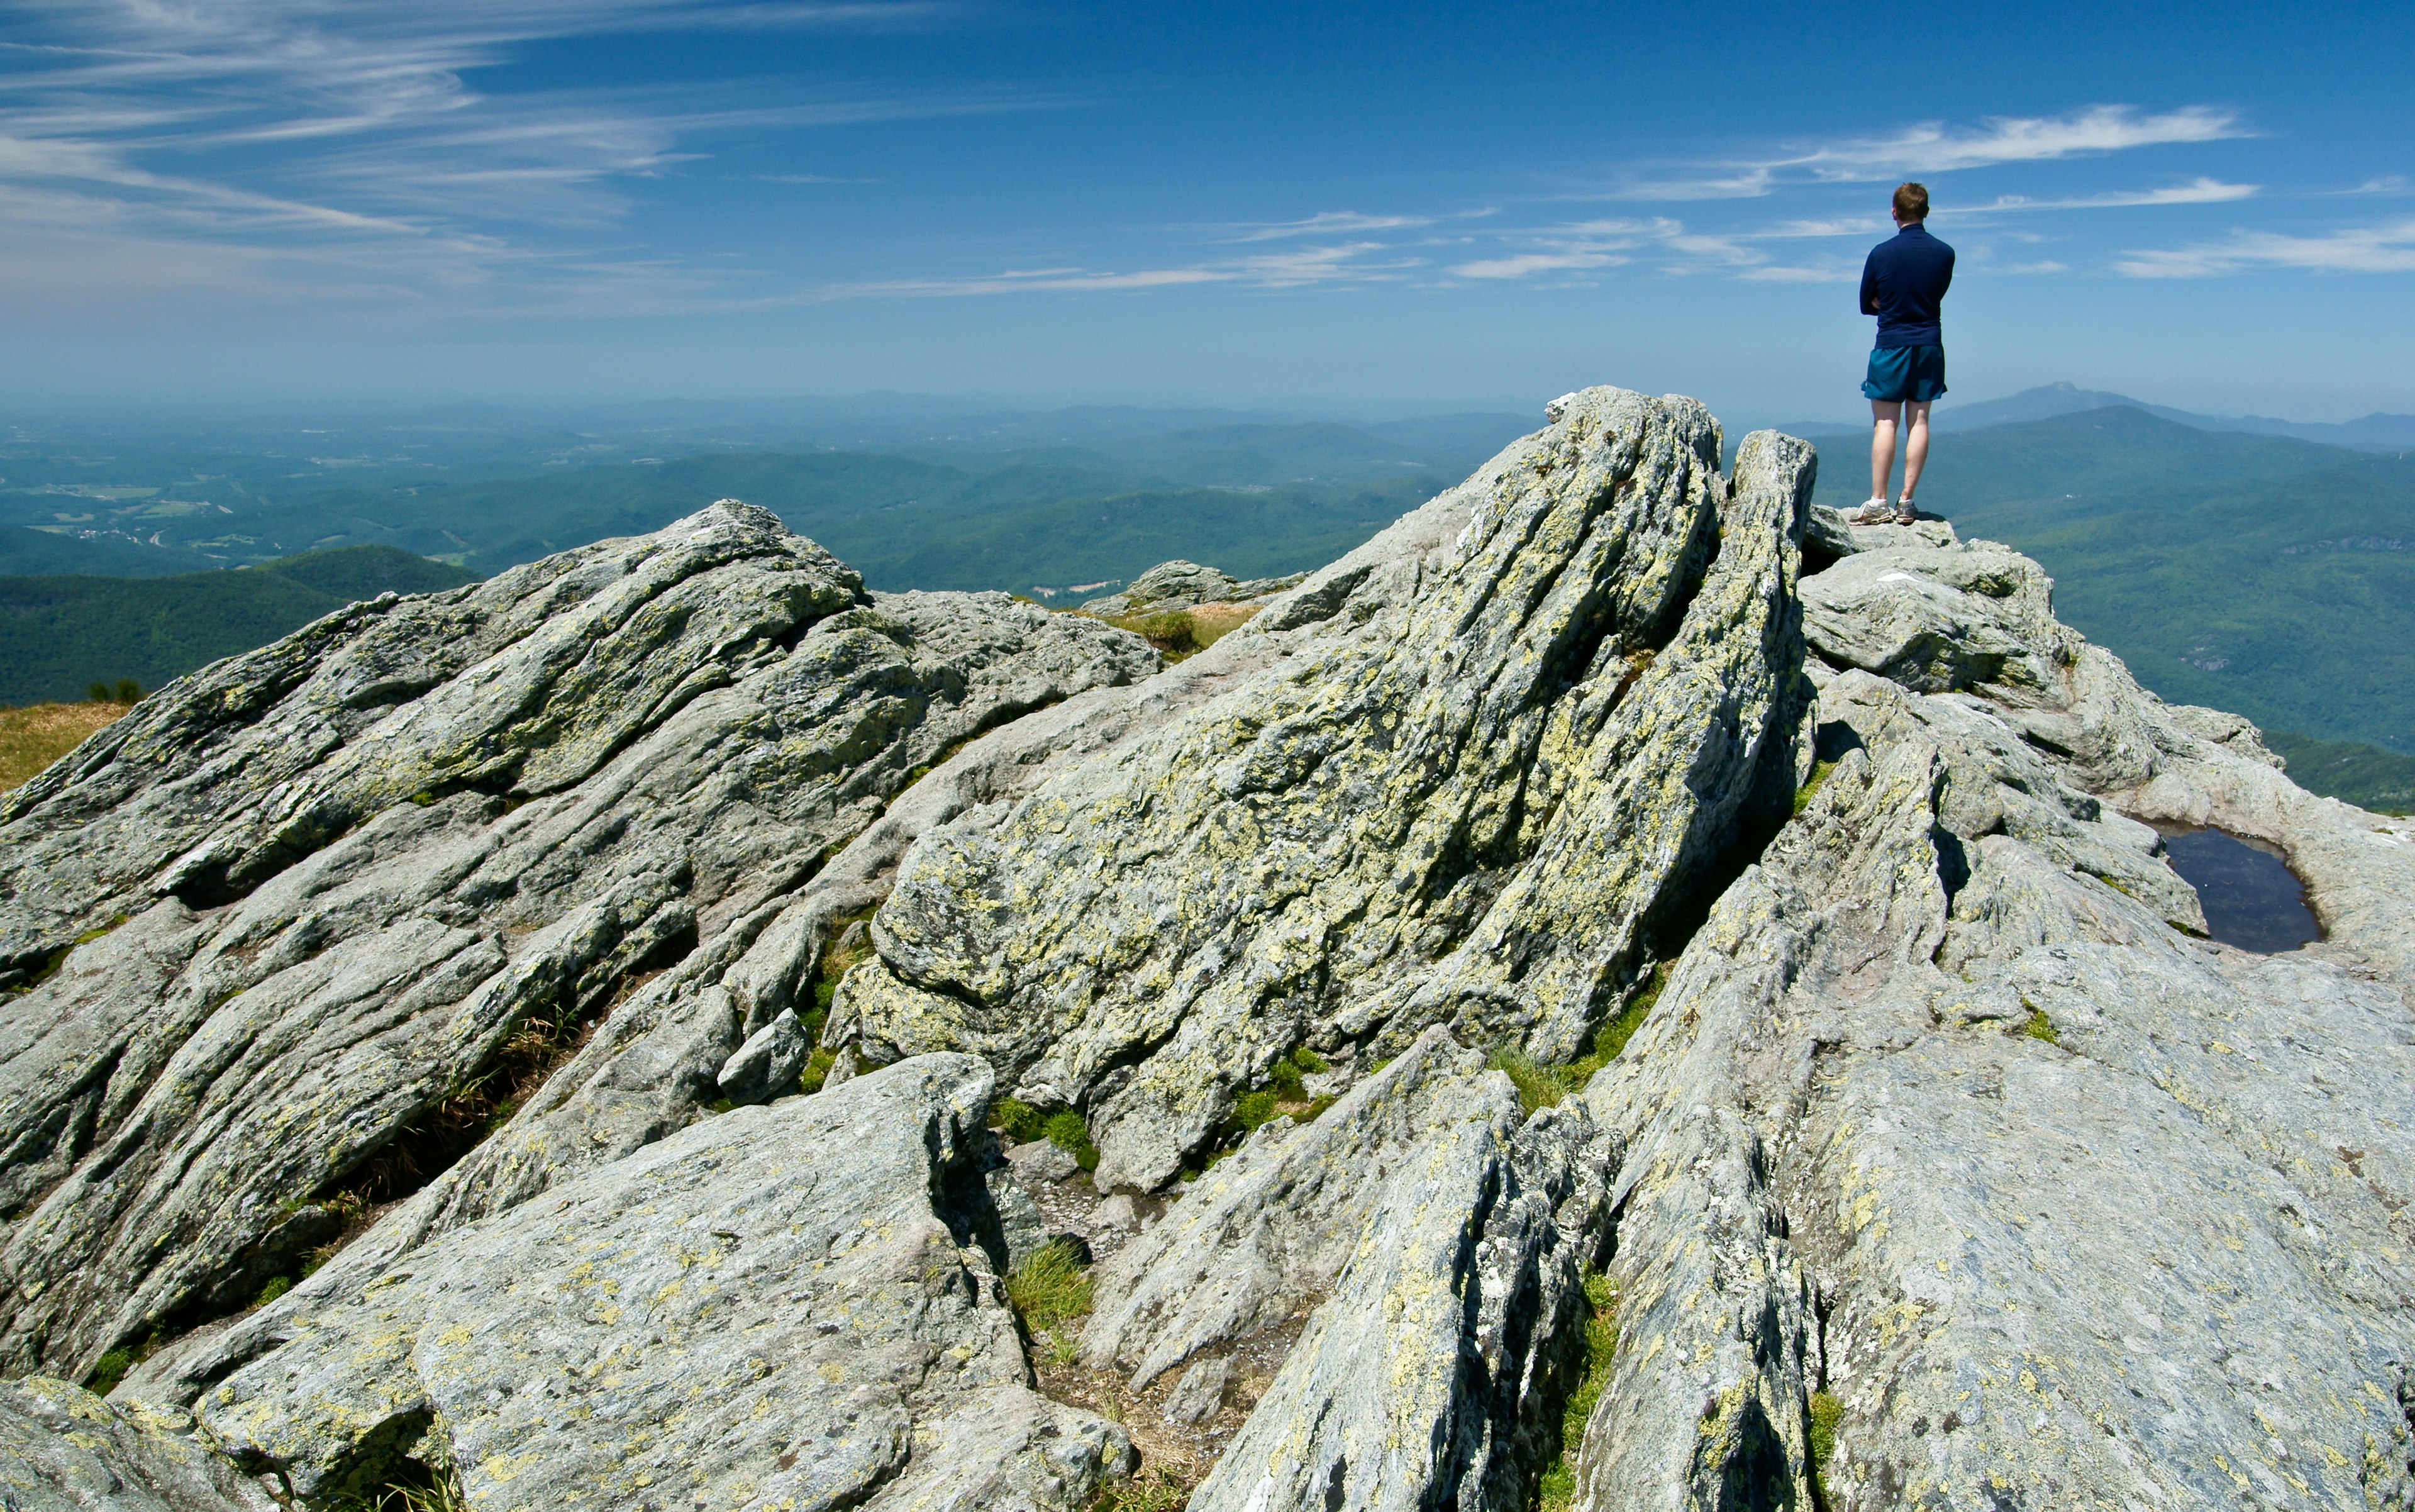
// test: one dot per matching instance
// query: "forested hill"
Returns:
(59, 635)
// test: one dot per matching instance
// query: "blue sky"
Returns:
(1346, 206)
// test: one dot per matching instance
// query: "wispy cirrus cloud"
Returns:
(1337, 264)
(2197, 191)
(1935, 147)
(1930, 147)
(2389, 248)
(299, 127)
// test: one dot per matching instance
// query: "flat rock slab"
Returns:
(63, 1449)
(764, 1309)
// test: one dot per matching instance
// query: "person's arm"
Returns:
(1949, 274)
(1870, 284)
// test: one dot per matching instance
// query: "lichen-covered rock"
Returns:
(1432, 1376)
(765, 1308)
(63, 1449)
(1185, 585)
(347, 870)
(1495, 746)
(1262, 1236)
(1942, 1116)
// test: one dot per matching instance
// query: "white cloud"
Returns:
(1341, 263)
(1933, 147)
(1523, 263)
(2356, 249)
(1776, 273)
(298, 127)
(1329, 223)
(1936, 147)
(2386, 183)
(2197, 191)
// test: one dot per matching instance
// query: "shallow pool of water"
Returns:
(2250, 898)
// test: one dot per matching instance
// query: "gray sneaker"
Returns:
(1905, 513)
(1877, 512)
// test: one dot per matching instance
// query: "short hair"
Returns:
(1911, 203)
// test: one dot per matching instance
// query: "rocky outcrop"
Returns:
(1496, 746)
(1948, 1163)
(296, 906)
(63, 1449)
(1946, 1113)
(766, 1307)
(1185, 585)
(1434, 1375)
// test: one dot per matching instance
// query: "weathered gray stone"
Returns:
(766, 1066)
(63, 1449)
(1042, 1162)
(1434, 1375)
(1200, 1394)
(1502, 744)
(1185, 585)
(764, 1307)
(1261, 1238)
(354, 864)
(2162, 1260)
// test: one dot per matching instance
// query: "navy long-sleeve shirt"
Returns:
(1903, 283)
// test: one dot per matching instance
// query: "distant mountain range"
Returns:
(2376, 432)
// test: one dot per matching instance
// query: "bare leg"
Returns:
(1915, 448)
(1883, 417)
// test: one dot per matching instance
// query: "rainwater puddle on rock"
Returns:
(2250, 898)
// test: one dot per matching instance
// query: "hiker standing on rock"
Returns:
(1902, 284)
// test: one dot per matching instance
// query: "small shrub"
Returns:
(2038, 1027)
(1309, 1060)
(1285, 1079)
(128, 691)
(277, 1286)
(1252, 1110)
(1018, 1119)
(1049, 1288)
(1065, 1131)
(816, 1069)
(110, 1369)
(99, 693)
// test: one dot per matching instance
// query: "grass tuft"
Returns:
(2038, 1027)
(1810, 788)
(1542, 1086)
(1152, 1490)
(33, 736)
(1049, 1288)
(1558, 1488)
(1825, 1410)
(277, 1286)
(1017, 1120)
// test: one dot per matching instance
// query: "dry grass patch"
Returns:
(33, 736)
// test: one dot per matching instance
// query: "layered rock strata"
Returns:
(1951, 1115)
(1496, 746)
(767, 1308)
(294, 905)
(1951, 1166)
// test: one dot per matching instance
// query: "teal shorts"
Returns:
(1899, 373)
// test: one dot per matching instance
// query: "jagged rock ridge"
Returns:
(1948, 1134)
